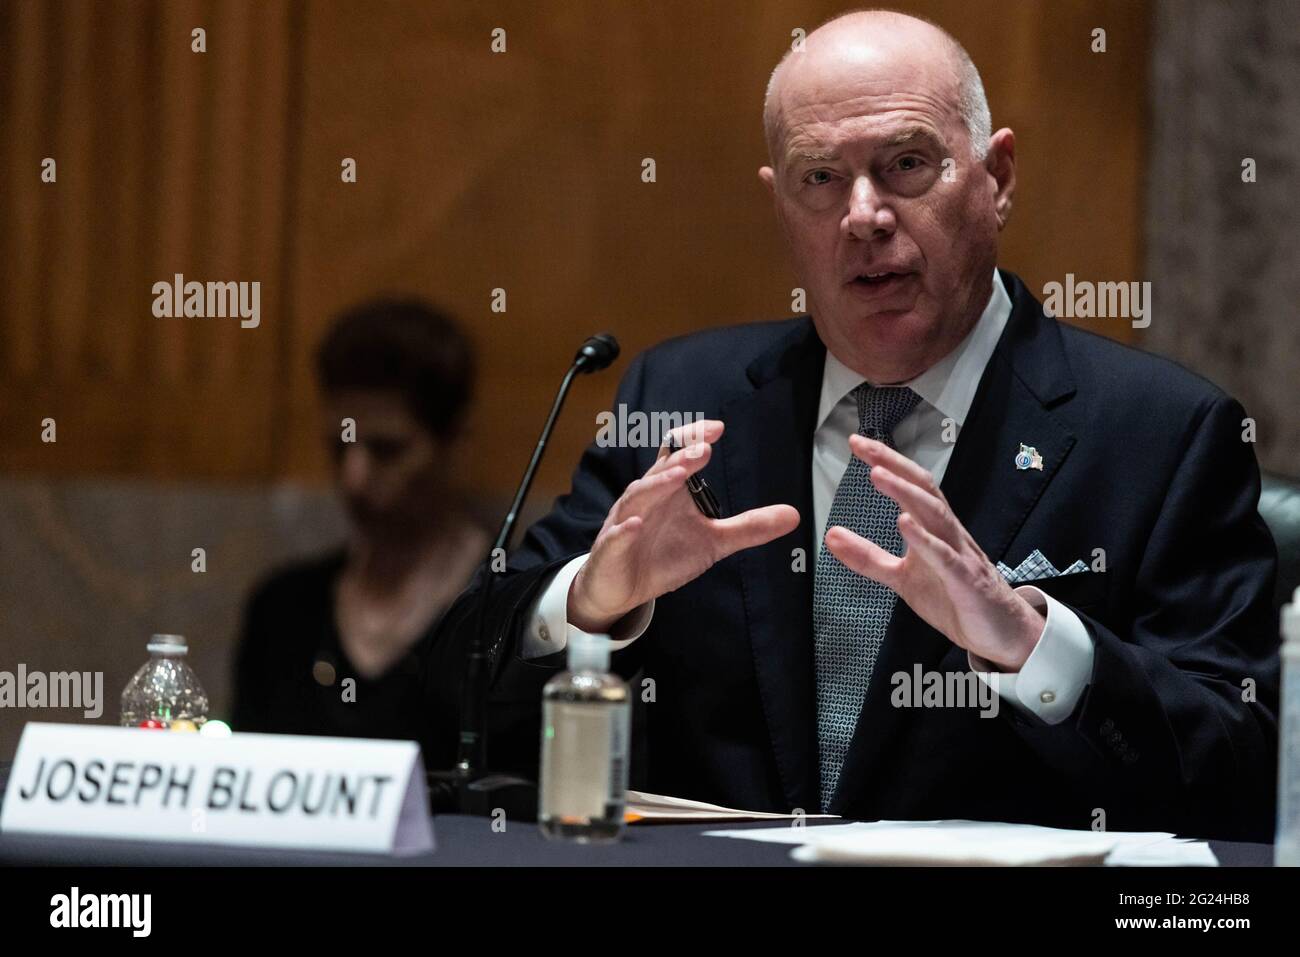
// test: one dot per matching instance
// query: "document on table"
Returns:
(974, 843)
(661, 809)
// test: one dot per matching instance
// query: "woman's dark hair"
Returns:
(403, 346)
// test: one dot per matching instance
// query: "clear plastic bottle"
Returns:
(1287, 846)
(165, 688)
(585, 716)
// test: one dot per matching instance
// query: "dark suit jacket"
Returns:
(1177, 729)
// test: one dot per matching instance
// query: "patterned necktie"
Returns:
(850, 612)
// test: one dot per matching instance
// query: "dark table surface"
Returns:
(471, 842)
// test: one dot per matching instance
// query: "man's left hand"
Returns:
(944, 577)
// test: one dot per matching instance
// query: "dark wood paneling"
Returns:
(475, 171)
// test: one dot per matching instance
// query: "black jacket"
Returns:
(1177, 729)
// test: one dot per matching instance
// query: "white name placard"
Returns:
(261, 790)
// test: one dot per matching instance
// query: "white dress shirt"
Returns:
(1053, 678)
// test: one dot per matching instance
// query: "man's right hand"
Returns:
(655, 539)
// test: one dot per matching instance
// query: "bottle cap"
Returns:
(588, 652)
(167, 645)
(1291, 618)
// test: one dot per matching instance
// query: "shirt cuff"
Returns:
(548, 618)
(1054, 676)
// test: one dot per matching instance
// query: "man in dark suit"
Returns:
(930, 484)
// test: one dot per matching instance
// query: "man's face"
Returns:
(891, 220)
(391, 478)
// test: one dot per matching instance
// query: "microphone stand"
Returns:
(469, 787)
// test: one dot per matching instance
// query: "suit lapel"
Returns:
(1024, 379)
(767, 451)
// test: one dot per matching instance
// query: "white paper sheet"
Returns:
(660, 808)
(978, 843)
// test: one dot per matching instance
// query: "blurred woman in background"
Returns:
(335, 646)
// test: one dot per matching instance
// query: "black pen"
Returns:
(701, 494)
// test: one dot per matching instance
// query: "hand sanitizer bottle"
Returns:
(1287, 846)
(585, 713)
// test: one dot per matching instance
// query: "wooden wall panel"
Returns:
(519, 170)
(169, 161)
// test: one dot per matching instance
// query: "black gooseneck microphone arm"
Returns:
(596, 353)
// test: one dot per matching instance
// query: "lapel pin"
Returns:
(1028, 458)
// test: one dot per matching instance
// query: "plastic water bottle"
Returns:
(165, 689)
(1287, 846)
(585, 716)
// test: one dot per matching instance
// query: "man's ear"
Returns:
(1001, 165)
(768, 176)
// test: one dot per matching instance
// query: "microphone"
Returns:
(470, 788)
(598, 352)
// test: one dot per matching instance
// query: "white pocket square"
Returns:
(1035, 568)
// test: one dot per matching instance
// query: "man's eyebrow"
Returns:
(815, 156)
(910, 135)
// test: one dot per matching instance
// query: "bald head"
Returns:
(869, 42)
(889, 187)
